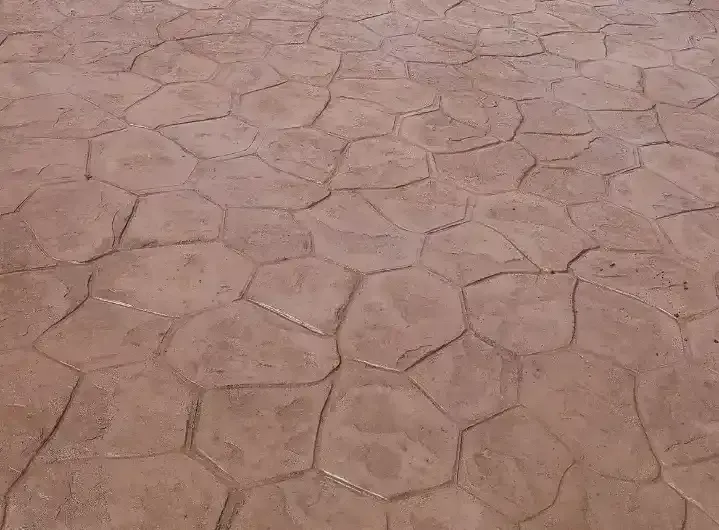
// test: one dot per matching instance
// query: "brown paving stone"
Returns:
(421, 50)
(347, 230)
(19, 250)
(592, 95)
(582, 16)
(696, 60)
(283, 106)
(245, 344)
(309, 291)
(439, 133)
(133, 410)
(139, 159)
(507, 42)
(310, 502)
(678, 87)
(355, 10)
(397, 318)
(33, 47)
(603, 156)
(227, 47)
(638, 53)
(445, 77)
(77, 221)
(555, 147)
(114, 92)
(448, 33)
(691, 129)
(21, 80)
(241, 78)
(703, 338)
(671, 161)
(500, 78)
(551, 117)
(577, 46)
(540, 229)
(695, 235)
(373, 65)
(160, 491)
(31, 302)
(569, 509)
(422, 206)
(542, 66)
(172, 217)
(614, 227)
(613, 73)
(101, 335)
(391, 24)
(423, 9)
(589, 404)
(276, 10)
(499, 117)
(512, 464)
(384, 162)
(171, 63)
(213, 138)
(33, 395)
(524, 313)
(698, 520)
(625, 330)
(564, 185)
(410, 446)
(281, 31)
(259, 434)
(344, 36)
(635, 127)
(172, 280)
(469, 379)
(305, 62)
(540, 23)
(511, 7)
(445, 509)
(249, 182)
(698, 483)
(396, 95)
(475, 14)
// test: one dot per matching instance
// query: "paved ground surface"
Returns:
(350, 265)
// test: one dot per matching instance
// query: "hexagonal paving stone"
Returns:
(34, 392)
(169, 491)
(228, 47)
(614, 227)
(591, 95)
(172, 280)
(308, 291)
(692, 129)
(440, 133)
(305, 62)
(470, 252)
(695, 235)
(398, 440)
(469, 379)
(133, 410)
(78, 221)
(31, 302)
(114, 92)
(565, 185)
(671, 161)
(524, 313)
(245, 344)
(490, 170)
(171, 63)
(540, 229)
(420, 207)
(661, 280)
(635, 127)
(259, 434)
(397, 318)
(18, 248)
(354, 119)
(385, 162)
(678, 87)
(249, 182)
(57, 116)
(213, 138)
(445, 508)
(307, 153)
(625, 330)
(589, 404)
(309, 502)
(266, 235)
(283, 106)
(172, 217)
(348, 230)
(344, 36)
(512, 464)
(139, 159)
(241, 78)
(395, 95)
(101, 335)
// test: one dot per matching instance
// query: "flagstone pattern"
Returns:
(375, 264)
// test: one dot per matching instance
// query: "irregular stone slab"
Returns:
(635, 127)
(512, 464)
(31, 302)
(483, 171)
(445, 508)
(695, 235)
(676, 86)
(540, 229)
(697, 482)
(371, 65)
(603, 156)
(691, 129)
(540, 23)
(100, 335)
(614, 227)
(305, 62)
(391, 24)
(284, 106)
(470, 252)
(139, 159)
(33, 395)
(439, 133)
(57, 116)
(499, 117)
(552, 117)
(591, 95)
(507, 42)
(583, 16)
(524, 313)
(660, 280)
(133, 410)
(307, 153)
(39, 47)
(569, 509)
(172, 217)
(589, 404)
(276, 10)
(172, 280)
(354, 119)
(703, 337)
(281, 31)
(398, 440)
(308, 291)
(476, 15)
(631, 333)
(114, 92)
(396, 95)
(227, 47)
(384, 162)
(420, 207)
(266, 235)
(22, 80)
(448, 33)
(397, 318)
(249, 182)
(254, 435)
(19, 249)
(636, 52)
(469, 379)
(577, 46)
(445, 77)
(171, 63)
(241, 78)
(161, 491)
(542, 67)
(245, 344)
(565, 185)
(698, 520)
(344, 36)
(309, 502)
(414, 48)
(501, 78)
(563, 150)
(78, 221)
(349, 231)
(510, 7)
(213, 138)
(671, 161)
